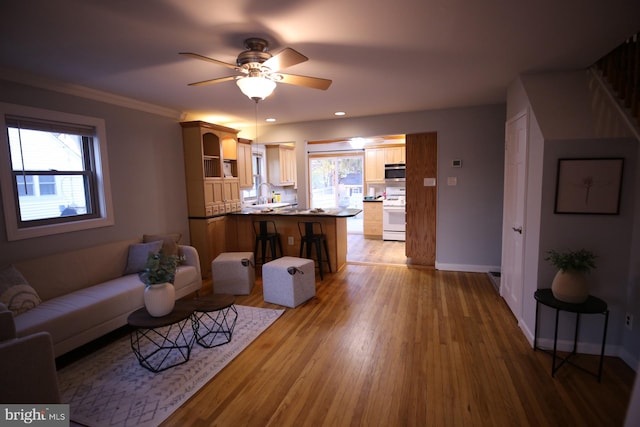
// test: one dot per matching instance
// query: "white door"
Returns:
(511, 280)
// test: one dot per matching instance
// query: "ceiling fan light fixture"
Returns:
(256, 88)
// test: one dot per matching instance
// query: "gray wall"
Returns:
(147, 174)
(469, 215)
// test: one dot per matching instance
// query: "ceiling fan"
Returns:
(260, 70)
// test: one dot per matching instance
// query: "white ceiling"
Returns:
(383, 56)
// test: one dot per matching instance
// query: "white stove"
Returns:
(394, 214)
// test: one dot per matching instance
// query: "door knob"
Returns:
(517, 230)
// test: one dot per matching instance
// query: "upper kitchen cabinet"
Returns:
(210, 157)
(377, 157)
(245, 163)
(394, 155)
(281, 165)
(374, 165)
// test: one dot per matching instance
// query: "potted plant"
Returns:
(158, 276)
(570, 282)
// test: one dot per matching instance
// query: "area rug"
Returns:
(110, 388)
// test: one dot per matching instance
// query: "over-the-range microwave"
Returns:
(394, 172)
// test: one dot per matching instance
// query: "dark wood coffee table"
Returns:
(215, 318)
(160, 343)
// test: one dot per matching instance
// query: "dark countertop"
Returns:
(372, 199)
(336, 213)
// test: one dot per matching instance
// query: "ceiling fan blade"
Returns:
(212, 81)
(312, 82)
(285, 58)
(206, 58)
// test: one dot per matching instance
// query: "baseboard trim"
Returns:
(468, 268)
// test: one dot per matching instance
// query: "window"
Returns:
(336, 180)
(57, 172)
(254, 192)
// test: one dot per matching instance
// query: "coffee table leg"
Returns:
(214, 324)
(162, 348)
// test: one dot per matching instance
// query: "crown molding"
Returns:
(41, 82)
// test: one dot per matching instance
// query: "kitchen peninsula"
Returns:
(334, 225)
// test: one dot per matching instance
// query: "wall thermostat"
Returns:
(456, 163)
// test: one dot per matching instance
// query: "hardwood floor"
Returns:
(392, 345)
(361, 250)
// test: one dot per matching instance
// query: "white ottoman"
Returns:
(289, 281)
(233, 273)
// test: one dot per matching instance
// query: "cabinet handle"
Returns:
(517, 230)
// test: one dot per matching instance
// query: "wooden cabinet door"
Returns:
(245, 165)
(229, 150)
(372, 221)
(374, 165)
(281, 165)
(289, 162)
(393, 155)
(209, 238)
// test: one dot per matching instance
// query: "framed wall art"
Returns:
(589, 186)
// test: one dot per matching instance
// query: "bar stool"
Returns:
(266, 233)
(311, 234)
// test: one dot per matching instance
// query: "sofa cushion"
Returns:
(70, 314)
(138, 254)
(169, 241)
(64, 272)
(15, 291)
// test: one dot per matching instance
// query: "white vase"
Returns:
(570, 286)
(159, 299)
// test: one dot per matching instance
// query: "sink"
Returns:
(269, 205)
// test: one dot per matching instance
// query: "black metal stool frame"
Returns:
(311, 238)
(264, 236)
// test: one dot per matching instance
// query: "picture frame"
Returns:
(589, 186)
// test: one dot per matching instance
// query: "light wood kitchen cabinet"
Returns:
(245, 163)
(209, 237)
(394, 155)
(231, 194)
(374, 165)
(372, 221)
(210, 157)
(213, 186)
(377, 157)
(229, 148)
(281, 165)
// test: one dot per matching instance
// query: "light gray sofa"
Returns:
(85, 293)
(28, 368)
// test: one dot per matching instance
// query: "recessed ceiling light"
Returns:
(270, 119)
(339, 113)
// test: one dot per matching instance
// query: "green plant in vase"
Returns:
(160, 268)
(158, 276)
(570, 282)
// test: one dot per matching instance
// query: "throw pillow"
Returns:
(15, 291)
(138, 254)
(169, 242)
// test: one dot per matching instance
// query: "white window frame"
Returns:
(105, 217)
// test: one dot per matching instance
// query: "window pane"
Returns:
(67, 197)
(25, 185)
(33, 150)
(47, 184)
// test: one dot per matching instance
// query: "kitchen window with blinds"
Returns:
(56, 179)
